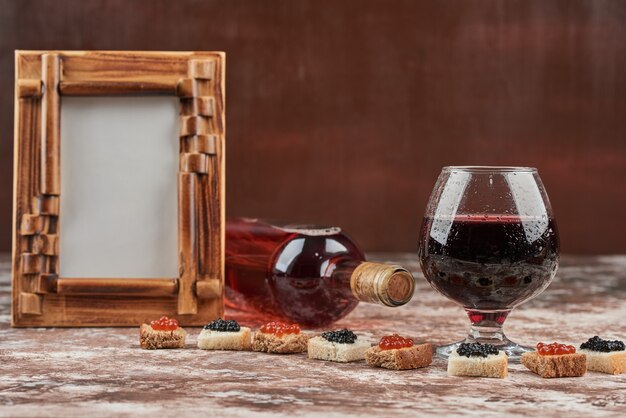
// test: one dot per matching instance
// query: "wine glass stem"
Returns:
(486, 326)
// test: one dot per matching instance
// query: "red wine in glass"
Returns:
(489, 242)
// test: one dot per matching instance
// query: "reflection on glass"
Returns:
(489, 242)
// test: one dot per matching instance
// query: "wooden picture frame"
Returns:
(40, 296)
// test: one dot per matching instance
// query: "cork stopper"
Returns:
(385, 284)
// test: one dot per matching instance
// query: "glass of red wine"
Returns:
(489, 242)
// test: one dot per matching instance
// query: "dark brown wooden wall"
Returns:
(344, 111)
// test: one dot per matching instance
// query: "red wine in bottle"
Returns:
(304, 274)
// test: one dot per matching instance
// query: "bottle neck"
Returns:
(384, 284)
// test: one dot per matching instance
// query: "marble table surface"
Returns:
(103, 372)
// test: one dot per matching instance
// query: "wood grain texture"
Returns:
(209, 289)
(187, 243)
(50, 125)
(201, 177)
(27, 219)
(29, 88)
(95, 287)
(40, 297)
(346, 111)
(103, 372)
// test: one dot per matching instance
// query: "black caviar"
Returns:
(342, 336)
(223, 325)
(605, 346)
(476, 350)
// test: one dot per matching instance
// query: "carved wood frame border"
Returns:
(40, 296)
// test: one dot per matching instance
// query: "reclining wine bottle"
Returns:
(304, 274)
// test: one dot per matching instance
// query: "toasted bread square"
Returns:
(613, 362)
(151, 339)
(414, 357)
(321, 349)
(563, 365)
(224, 340)
(494, 365)
(284, 344)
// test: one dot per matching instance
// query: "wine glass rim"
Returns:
(489, 169)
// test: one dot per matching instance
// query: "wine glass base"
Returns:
(513, 350)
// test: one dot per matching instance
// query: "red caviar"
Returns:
(164, 324)
(555, 349)
(391, 342)
(280, 328)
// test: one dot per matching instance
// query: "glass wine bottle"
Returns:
(304, 274)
